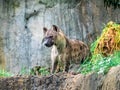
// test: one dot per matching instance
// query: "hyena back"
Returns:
(64, 51)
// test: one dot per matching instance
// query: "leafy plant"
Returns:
(43, 71)
(113, 3)
(38, 70)
(109, 41)
(24, 71)
(4, 73)
(105, 51)
(101, 64)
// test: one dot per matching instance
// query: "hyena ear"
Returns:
(55, 28)
(44, 30)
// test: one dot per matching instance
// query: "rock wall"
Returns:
(64, 81)
(22, 22)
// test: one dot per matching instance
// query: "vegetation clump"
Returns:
(105, 51)
(114, 3)
(39, 71)
(109, 40)
(4, 73)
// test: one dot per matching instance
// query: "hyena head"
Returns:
(50, 36)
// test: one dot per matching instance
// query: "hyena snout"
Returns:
(47, 41)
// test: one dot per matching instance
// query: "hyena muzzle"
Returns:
(64, 51)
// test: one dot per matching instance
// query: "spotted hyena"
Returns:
(64, 51)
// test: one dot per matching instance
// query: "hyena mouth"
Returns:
(47, 42)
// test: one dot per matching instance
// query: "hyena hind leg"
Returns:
(66, 66)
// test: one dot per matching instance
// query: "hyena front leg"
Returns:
(54, 64)
(54, 59)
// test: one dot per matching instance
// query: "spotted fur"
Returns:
(64, 51)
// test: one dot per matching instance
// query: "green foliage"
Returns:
(109, 41)
(37, 70)
(102, 60)
(99, 63)
(24, 71)
(4, 73)
(113, 3)
(43, 71)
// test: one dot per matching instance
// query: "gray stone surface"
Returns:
(22, 22)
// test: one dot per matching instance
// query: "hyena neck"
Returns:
(61, 44)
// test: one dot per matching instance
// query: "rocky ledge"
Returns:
(64, 81)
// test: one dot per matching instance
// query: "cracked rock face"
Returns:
(22, 22)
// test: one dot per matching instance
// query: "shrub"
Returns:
(105, 51)
(4, 73)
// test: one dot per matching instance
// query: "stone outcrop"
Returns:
(64, 81)
(21, 23)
